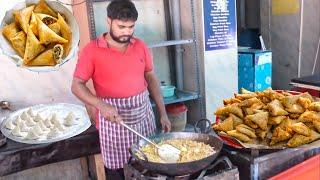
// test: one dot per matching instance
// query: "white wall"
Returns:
(21, 86)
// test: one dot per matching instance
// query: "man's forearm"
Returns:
(154, 89)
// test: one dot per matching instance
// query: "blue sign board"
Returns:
(219, 24)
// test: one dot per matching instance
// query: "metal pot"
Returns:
(178, 169)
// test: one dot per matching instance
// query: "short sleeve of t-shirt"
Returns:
(148, 59)
(85, 67)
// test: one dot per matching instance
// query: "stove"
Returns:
(221, 168)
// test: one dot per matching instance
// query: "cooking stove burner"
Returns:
(134, 171)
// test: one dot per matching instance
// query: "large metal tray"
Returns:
(45, 110)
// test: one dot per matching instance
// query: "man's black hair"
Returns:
(122, 10)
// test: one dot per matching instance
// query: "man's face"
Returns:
(121, 31)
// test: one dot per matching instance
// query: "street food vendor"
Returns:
(121, 68)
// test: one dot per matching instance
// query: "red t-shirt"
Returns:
(114, 74)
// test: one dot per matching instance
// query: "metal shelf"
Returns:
(171, 43)
(179, 96)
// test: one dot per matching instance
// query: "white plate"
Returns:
(56, 6)
(46, 110)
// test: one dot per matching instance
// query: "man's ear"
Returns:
(109, 21)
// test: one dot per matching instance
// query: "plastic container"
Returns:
(167, 91)
(177, 114)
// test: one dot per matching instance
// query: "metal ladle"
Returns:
(166, 152)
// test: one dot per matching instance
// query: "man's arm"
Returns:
(154, 89)
(80, 90)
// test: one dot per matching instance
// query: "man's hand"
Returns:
(109, 112)
(165, 123)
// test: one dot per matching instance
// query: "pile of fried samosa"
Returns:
(271, 118)
(39, 35)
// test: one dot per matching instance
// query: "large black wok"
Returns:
(177, 169)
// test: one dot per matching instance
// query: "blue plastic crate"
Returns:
(254, 69)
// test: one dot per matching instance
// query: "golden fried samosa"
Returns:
(249, 102)
(315, 106)
(276, 120)
(304, 102)
(264, 133)
(46, 18)
(233, 108)
(275, 95)
(33, 47)
(34, 25)
(23, 17)
(226, 125)
(65, 33)
(55, 27)
(245, 91)
(260, 119)
(44, 59)
(309, 116)
(286, 125)
(248, 122)
(246, 130)
(245, 96)
(295, 109)
(231, 101)
(46, 35)
(288, 101)
(42, 7)
(298, 139)
(276, 109)
(236, 120)
(301, 128)
(316, 124)
(10, 30)
(294, 116)
(19, 42)
(279, 135)
(239, 136)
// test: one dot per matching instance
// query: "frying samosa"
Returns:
(276, 109)
(315, 106)
(298, 139)
(65, 33)
(225, 111)
(261, 119)
(238, 135)
(226, 125)
(246, 130)
(19, 42)
(42, 7)
(46, 35)
(10, 30)
(309, 116)
(33, 47)
(23, 17)
(279, 135)
(301, 128)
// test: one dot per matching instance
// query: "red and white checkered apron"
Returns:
(115, 140)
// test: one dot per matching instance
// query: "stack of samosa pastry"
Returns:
(39, 35)
(270, 117)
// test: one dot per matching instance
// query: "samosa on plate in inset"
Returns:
(33, 47)
(23, 17)
(19, 42)
(44, 59)
(42, 7)
(65, 33)
(47, 35)
(10, 30)
(226, 125)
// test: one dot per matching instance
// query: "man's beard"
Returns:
(118, 39)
